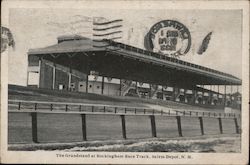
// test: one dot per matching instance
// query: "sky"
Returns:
(36, 28)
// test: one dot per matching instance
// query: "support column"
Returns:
(136, 88)
(87, 83)
(231, 98)
(27, 80)
(70, 77)
(40, 72)
(179, 125)
(53, 76)
(225, 95)
(202, 97)
(194, 96)
(162, 90)
(34, 127)
(220, 125)
(153, 127)
(201, 125)
(123, 127)
(150, 91)
(102, 85)
(120, 87)
(210, 95)
(173, 94)
(84, 130)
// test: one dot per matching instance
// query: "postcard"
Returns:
(125, 82)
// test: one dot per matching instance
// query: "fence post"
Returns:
(34, 127)
(236, 126)
(84, 131)
(153, 127)
(220, 125)
(123, 126)
(201, 125)
(179, 125)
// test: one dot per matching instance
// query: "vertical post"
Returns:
(231, 97)
(162, 90)
(202, 95)
(236, 126)
(120, 87)
(201, 125)
(123, 127)
(70, 77)
(225, 95)
(136, 88)
(150, 91)
(210, 95)
(39, 81)
(179, 125)
(218, 94)
(173, 94)
(153, 127)
(194, 96)
(102, 84)
(34, 127)
(53, 76)
(220, 125)
(27, 80)
(87, 82)
(84, 131)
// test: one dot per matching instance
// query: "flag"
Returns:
(204, 44)
(6, 39)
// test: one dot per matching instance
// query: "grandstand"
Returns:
(80, 64)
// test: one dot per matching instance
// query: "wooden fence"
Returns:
(35, 107)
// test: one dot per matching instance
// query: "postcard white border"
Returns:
(198, 158)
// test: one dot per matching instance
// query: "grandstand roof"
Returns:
(118, 60)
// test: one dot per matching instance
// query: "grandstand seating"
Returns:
(35, 94)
